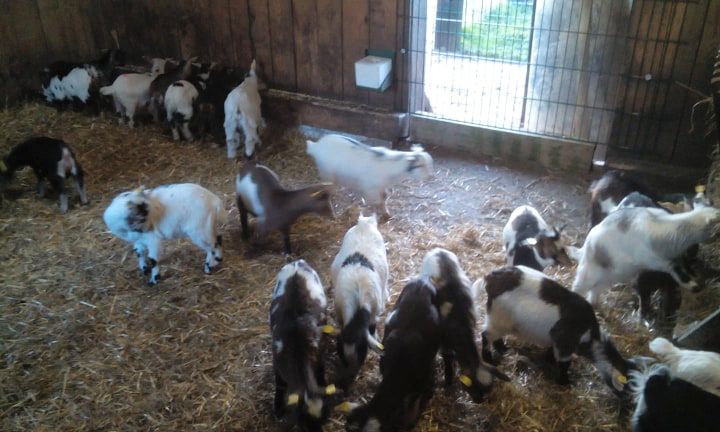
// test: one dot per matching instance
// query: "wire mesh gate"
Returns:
(598, 71)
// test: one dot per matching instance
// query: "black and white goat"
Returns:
(180, 102)
(160, 84)
(458, 318)
(529, 305)
(666, 403)
(701, 368)
(79, 82)
(296, 314)
(632, 240)
(359, 274)
(411, 342)
(369, 171)
(145, 217)
(242, 113)
(275, 208)
(530, 241)
(50, 159)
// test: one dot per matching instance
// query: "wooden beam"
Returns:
(703, 336)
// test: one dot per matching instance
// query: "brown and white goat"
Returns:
(260, 194)
(529, 305)
(530, 241)
(455, 301)
(296, 314)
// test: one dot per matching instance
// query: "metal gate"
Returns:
(611, 72)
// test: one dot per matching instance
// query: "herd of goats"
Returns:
(635, 238)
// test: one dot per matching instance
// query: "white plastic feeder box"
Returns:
(373, 73)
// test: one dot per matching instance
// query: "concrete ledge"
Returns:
(555, 153)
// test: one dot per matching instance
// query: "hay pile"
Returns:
(86, 345)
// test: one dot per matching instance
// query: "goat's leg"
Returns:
(153, 245)
(40, 187)
(681, 276)
(280, 391)
(80, 188)
(141, 250)
(286, 241)
(448, 357)
(245, 231)
(58, 183)
(186, 130)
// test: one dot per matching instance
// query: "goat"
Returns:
(411, 342)
(296, 312)
(458, 317)
(367, 170)
(242, 111)
(260, 194)
(524, 302)
(130, 93)
(79, 82)
(211, 101)
(145, 217)
(701, 368)
(668, 403)
(180, 101)
(359, 274)
(160, 84)
(631, 240)
(607, 192)
(50, 159)
(530, 241)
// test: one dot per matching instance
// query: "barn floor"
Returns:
(87, 345)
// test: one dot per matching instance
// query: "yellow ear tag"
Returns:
(344, 407)
(329, 390)
(622, 379)
(467, 382)
(3, 167)
(293, 399)
(381, 346)
(699, 188)
(328, 329)
(138, 190)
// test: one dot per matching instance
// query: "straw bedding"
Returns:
(87, 345)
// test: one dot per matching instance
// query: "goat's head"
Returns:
(138, 210)
(419, 163)
(318, 200)
(440, 267)
(549, 245)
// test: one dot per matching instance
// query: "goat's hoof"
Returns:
(152, 282)
(207, 268)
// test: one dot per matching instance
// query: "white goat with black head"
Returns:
(359, 275)
(296, 314)
(458, 317)
(633, 240)
(529, 305)
(50, 159)
(411, 342)
(145, 217)
(367, 170)
(242, 113)
(530, 241)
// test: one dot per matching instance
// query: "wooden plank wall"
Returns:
(307, 46)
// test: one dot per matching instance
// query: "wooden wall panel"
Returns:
(356, 38)
(239, 32)
(382, 36)
(306, 48)
(330, 66)
(283, 44)
(260, 37)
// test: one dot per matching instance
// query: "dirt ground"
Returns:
(87, 345)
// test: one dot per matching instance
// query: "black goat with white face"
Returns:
(50, 159)
(296, 313)
(411, 342)
(458, 319)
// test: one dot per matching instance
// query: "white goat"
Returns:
(359, 275)
(179, 103)
(631, 240)
(145, 217)
(242, 111)
(367, 170)
(701, 368)
(130, 92)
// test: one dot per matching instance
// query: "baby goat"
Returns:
(260, 194)
(367, 170)
(242, 111)
(412, 339)
(359, 275)
(531, 242)
(631, 240)
(146, 217)
(458, 316)
(701, 368)
(668, 403)
(296, 312)
(50, 159)
(526, 303)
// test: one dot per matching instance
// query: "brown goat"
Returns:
(260, 193)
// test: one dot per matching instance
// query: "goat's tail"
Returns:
(107, 90)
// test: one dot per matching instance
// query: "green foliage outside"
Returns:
(502, 33)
